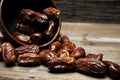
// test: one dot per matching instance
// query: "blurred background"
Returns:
(101, 11)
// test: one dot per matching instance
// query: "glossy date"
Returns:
(8, 53)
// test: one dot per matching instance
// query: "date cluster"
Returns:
(37, 27)
(60, 56)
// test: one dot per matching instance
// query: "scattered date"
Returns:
(60, 56)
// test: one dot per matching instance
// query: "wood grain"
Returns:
(103, 38)
(105, 11)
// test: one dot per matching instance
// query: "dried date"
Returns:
(55, 46)
(22, 37)
(28, 15)
(49, 32)
(69, 46)
(95, 56)
(113, 69)
(8, 53)
(29, 59)
(46, 55)
(78, 53)
(36, 38)
(25, 29)
(64, 64)
(52, 13)
(62, 53)
(64, 38)
(91, 66)
(27, 49)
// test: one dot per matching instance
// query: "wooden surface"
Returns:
(94, 38)
(90, 10)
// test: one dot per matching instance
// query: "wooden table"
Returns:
(93, 37)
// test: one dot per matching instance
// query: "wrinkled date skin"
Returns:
(46, 55)
(27, 49)
(29, 59)
(36, 38)
(25, 29)
(64, 38)
(78, 53)
(55, 46)
(91, 66)
(113, 69)
(22, 37)
(62, 53)
(28, 15)
(52, 13)
(35, 27)
(8, 53)
(49, 32)
(69, 46)
(95, 56)
(64, 64)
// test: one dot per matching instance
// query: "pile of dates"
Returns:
(60, 56)
(37, 27)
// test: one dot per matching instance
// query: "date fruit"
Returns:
(91, 66)
(36, 38)
(27, 49)
(64, 38)
(49, 32)
(29, 59)
(52, 13)
(95, 56)
(46, 55)
(22, 37)
(69, 46)
(78, 53)
(8, 53)
(25, 29)
(60, 65)
(113, 69)
(28, 15)
(55, 46)
(62, 53)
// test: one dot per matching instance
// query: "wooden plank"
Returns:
(95, 38)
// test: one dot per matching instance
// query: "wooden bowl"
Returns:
(9, 12)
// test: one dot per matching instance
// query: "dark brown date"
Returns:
(64, 64)
(91, 66)
(8, 53)
(64, 38)
(27, 49)
(50, 31)
(36, 38)
(113, 69)
(29, 59)
(52, 13)
(62, 53)
(55, 46)
(22, 37)
(95, 56)
(28, 15)
(25, 29)
(69, 46)
(78, 53)
(46, 55)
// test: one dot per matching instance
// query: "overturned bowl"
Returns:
(9, 17)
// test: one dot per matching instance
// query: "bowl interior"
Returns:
(10, 10)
